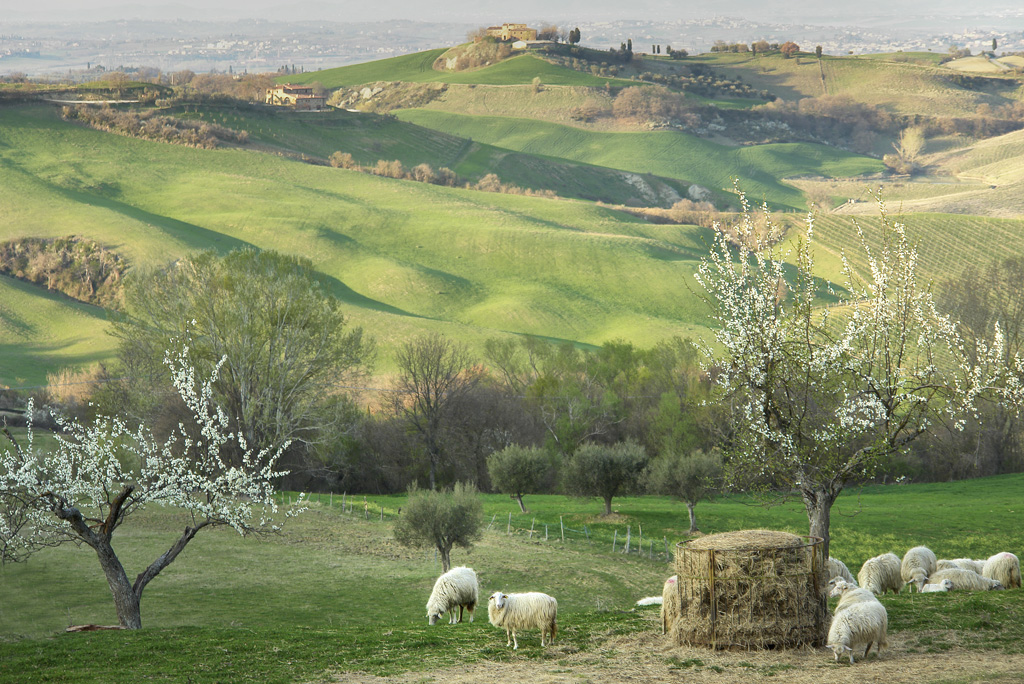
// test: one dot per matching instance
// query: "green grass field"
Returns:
(759, 168)
(334, 594)
(370, 137)
(418, 68)
(405, 257)
(905, 86)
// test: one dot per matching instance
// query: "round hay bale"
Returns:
(751, 589)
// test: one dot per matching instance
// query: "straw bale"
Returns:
(751, 589)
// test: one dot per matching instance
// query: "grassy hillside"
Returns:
(663, 153)
(404, 256)
(418, 68)
(334, 594)
(370, 137)
(905, 87)
(41, 332)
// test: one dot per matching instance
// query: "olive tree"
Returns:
(518, 470)
(98, 476)
(441, 519)
(689, 477)
(821, 394)
(605, 471)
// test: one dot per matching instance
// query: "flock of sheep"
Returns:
(458, 589)
(859, 618)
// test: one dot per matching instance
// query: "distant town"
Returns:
(61, 50)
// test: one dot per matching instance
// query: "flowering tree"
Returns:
(100, 474)
(821, 394)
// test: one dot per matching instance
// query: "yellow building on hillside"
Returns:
(512, 32)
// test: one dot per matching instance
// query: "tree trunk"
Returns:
(446, 560)
(607, 505)
(693, 516)
(818, 502)
(126, 601)
(519, 498)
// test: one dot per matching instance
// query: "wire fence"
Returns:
(626, 542)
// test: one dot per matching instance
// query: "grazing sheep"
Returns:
(456, 588)
(858, 619)
(1004, 567)
(532, 610)
(945, 585)
(881, 574)
(918, 564)
(669, 603)
(965, 580)
(837, 568)
(964, 563)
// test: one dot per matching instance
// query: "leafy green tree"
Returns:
(605, 471)
(689, 477)
(287, 344)
(441, 519)
(518, 470)
(817, 51)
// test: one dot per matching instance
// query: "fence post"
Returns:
(344, 497)
(629, 532)
(545, 531)
(382, 512)
(586, 532)
(531, 527)
(615, 538)
(331, 502)
(640, 544)
(492, 521)
(508, 529)
(561, 525)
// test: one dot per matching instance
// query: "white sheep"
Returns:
(944, 585)
(965, 563)
(918, 564)
(837, 568)
(881, 574)
(1004, 567)
(858, 619)
(532, 610)
(669, 603)
(456, 588)
(965, 580)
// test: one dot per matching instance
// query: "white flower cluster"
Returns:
(822, 391)
(106, 470)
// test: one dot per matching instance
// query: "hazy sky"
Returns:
(788, 11)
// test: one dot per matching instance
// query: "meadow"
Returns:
(333, 598)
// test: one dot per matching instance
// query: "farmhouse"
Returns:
(297, 96)
(512, 32)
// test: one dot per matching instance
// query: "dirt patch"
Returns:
(652, 658)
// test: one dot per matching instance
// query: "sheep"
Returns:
(848, 593)
(965, 580)
(456, 588)
(1004, 567)
(945, 585)
(881, 574)
(918, 563)
(858, 619)
(965, 563)
(669, 603)
(532, 610)
(837, 568)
